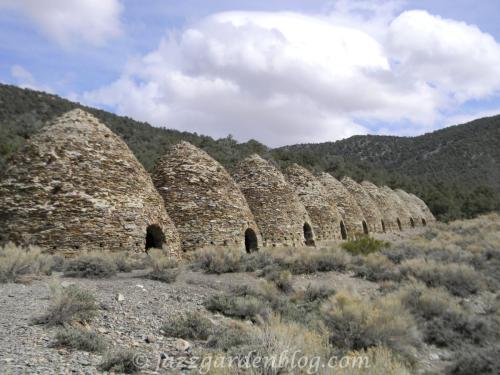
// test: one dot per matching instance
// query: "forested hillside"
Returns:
(455, 170)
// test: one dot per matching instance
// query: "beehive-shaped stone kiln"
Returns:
(280, 215)
(76, 186)
(404, 216)
(370, 210)
(428, 216)
(318, 203)
(204, 201)
(416, 213)
(384, 204)
(347, 206)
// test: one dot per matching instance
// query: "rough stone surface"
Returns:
(384, 204)
(346, 204)
(76, 185)
(370, 210)
(279, 213)
(404, 215)
(416, 212)
(318, 203)
(429, 217)
(203, 200)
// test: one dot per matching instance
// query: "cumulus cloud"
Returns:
(72, 21)
(283, 77)
(24, 78)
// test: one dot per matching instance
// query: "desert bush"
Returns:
(258, 260)
(68, 305)
(72, 338)
(364, 245)
(243, 307)
(380, 360)
(376, 267)
(473, 360)
(282, 280)
(92, 265)
(231, 335)
(356, 324)
(121, 361)
(401, 252)
(306, 260)
(218, 260)
(18, 263)
(460, 279)
(164, 267)
(58, 262)
(193, 325)
(317, 293)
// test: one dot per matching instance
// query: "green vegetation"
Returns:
(194, 325)
(454, 170)
(19, 264)
(364, 245)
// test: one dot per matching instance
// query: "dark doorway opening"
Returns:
(308, 235)
(343, 231)
(251, 243)
(383, 225)
(154, 237)
(412, 223)
(365, 227)
(399, 224)
(424, 223)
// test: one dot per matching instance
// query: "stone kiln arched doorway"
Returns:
(365, 227)
(251, 243)
(399, 223)
(308, 235)
(412, 223)
(424, 223)
(383, 225)
(154, 237)
(343, 231)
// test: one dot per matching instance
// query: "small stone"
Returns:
(150, 339)
(102, 330)
(120, 297)
(67, 284)
(181, 345)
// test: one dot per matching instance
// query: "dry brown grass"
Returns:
(20, 264)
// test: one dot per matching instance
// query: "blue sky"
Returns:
(278, 71)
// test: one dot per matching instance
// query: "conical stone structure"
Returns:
(384, 204)
(347, 206)
(370, 210)
(318, 203)
(416, 213)
(404, 216)
(203, 200)
(428, 216)
(76, 186)
(279, 213)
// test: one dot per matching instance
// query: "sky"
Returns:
(281, 72)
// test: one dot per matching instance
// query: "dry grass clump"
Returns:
(376, 267)
(164, 267)
(121, 361)
(460, 279)
(218, 260)
(78, 339)
(92, 265)
(18, 264)
(380, 359)
(193, 325)
(238, 306)
(282, 280)
(232, 336)
(472, 360)
(356, 324)
(364, 245)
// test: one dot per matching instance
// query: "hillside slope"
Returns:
(455, 170)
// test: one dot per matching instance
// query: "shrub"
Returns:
(81, 340)
(231, 335)
(258, 260)
(69, 304)
(317, 293)
(380, 360)
(120, 361)
(17, 263)
(472, 360)
(165, 268)
(243, 307)
(356, 324)
(93, 265)
(376, 267)
(460, 279)
(364, 245)
(282, 280)
(218, 260)
(193, 325)
(306, 261)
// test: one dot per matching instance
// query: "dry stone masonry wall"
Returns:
(318, 203)
(370, 210)
(428, 216)
(384, 204)
(76, 186)
(203, 200)
(416, 212)
(278, 211)
(404, 215)
(347, 206)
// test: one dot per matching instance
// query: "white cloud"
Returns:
(286, 77)
(24, 78)
(67, 22)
